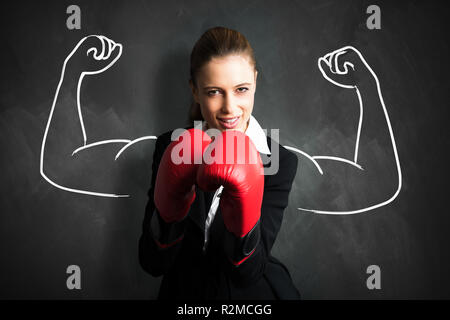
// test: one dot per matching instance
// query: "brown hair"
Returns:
(216, 42)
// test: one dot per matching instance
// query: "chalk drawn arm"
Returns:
(92, 55)
(347, 68)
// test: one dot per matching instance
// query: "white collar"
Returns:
(256, 134)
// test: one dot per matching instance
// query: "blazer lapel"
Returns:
(200, 207)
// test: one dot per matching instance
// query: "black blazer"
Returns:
(191, 273)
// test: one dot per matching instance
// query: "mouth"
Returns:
(229, 123)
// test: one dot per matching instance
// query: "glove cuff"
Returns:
(166, 234)
(240, 249)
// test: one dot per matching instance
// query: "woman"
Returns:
(211, 238)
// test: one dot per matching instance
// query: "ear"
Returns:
(256, 76)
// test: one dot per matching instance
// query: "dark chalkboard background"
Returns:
(43, 229)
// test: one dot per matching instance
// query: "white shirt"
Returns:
(259, 139)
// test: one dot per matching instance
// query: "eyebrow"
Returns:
(245, 83)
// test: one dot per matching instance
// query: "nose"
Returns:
(229, 106)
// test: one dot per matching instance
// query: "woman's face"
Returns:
(225, 91)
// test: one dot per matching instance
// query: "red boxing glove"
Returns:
(175, 181)
(238, 167)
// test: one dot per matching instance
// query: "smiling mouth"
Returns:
(229, 122)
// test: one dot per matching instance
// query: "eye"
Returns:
(246, 89)
(211, 92)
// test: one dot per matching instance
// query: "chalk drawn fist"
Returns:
(344, 67)
(94, 54)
